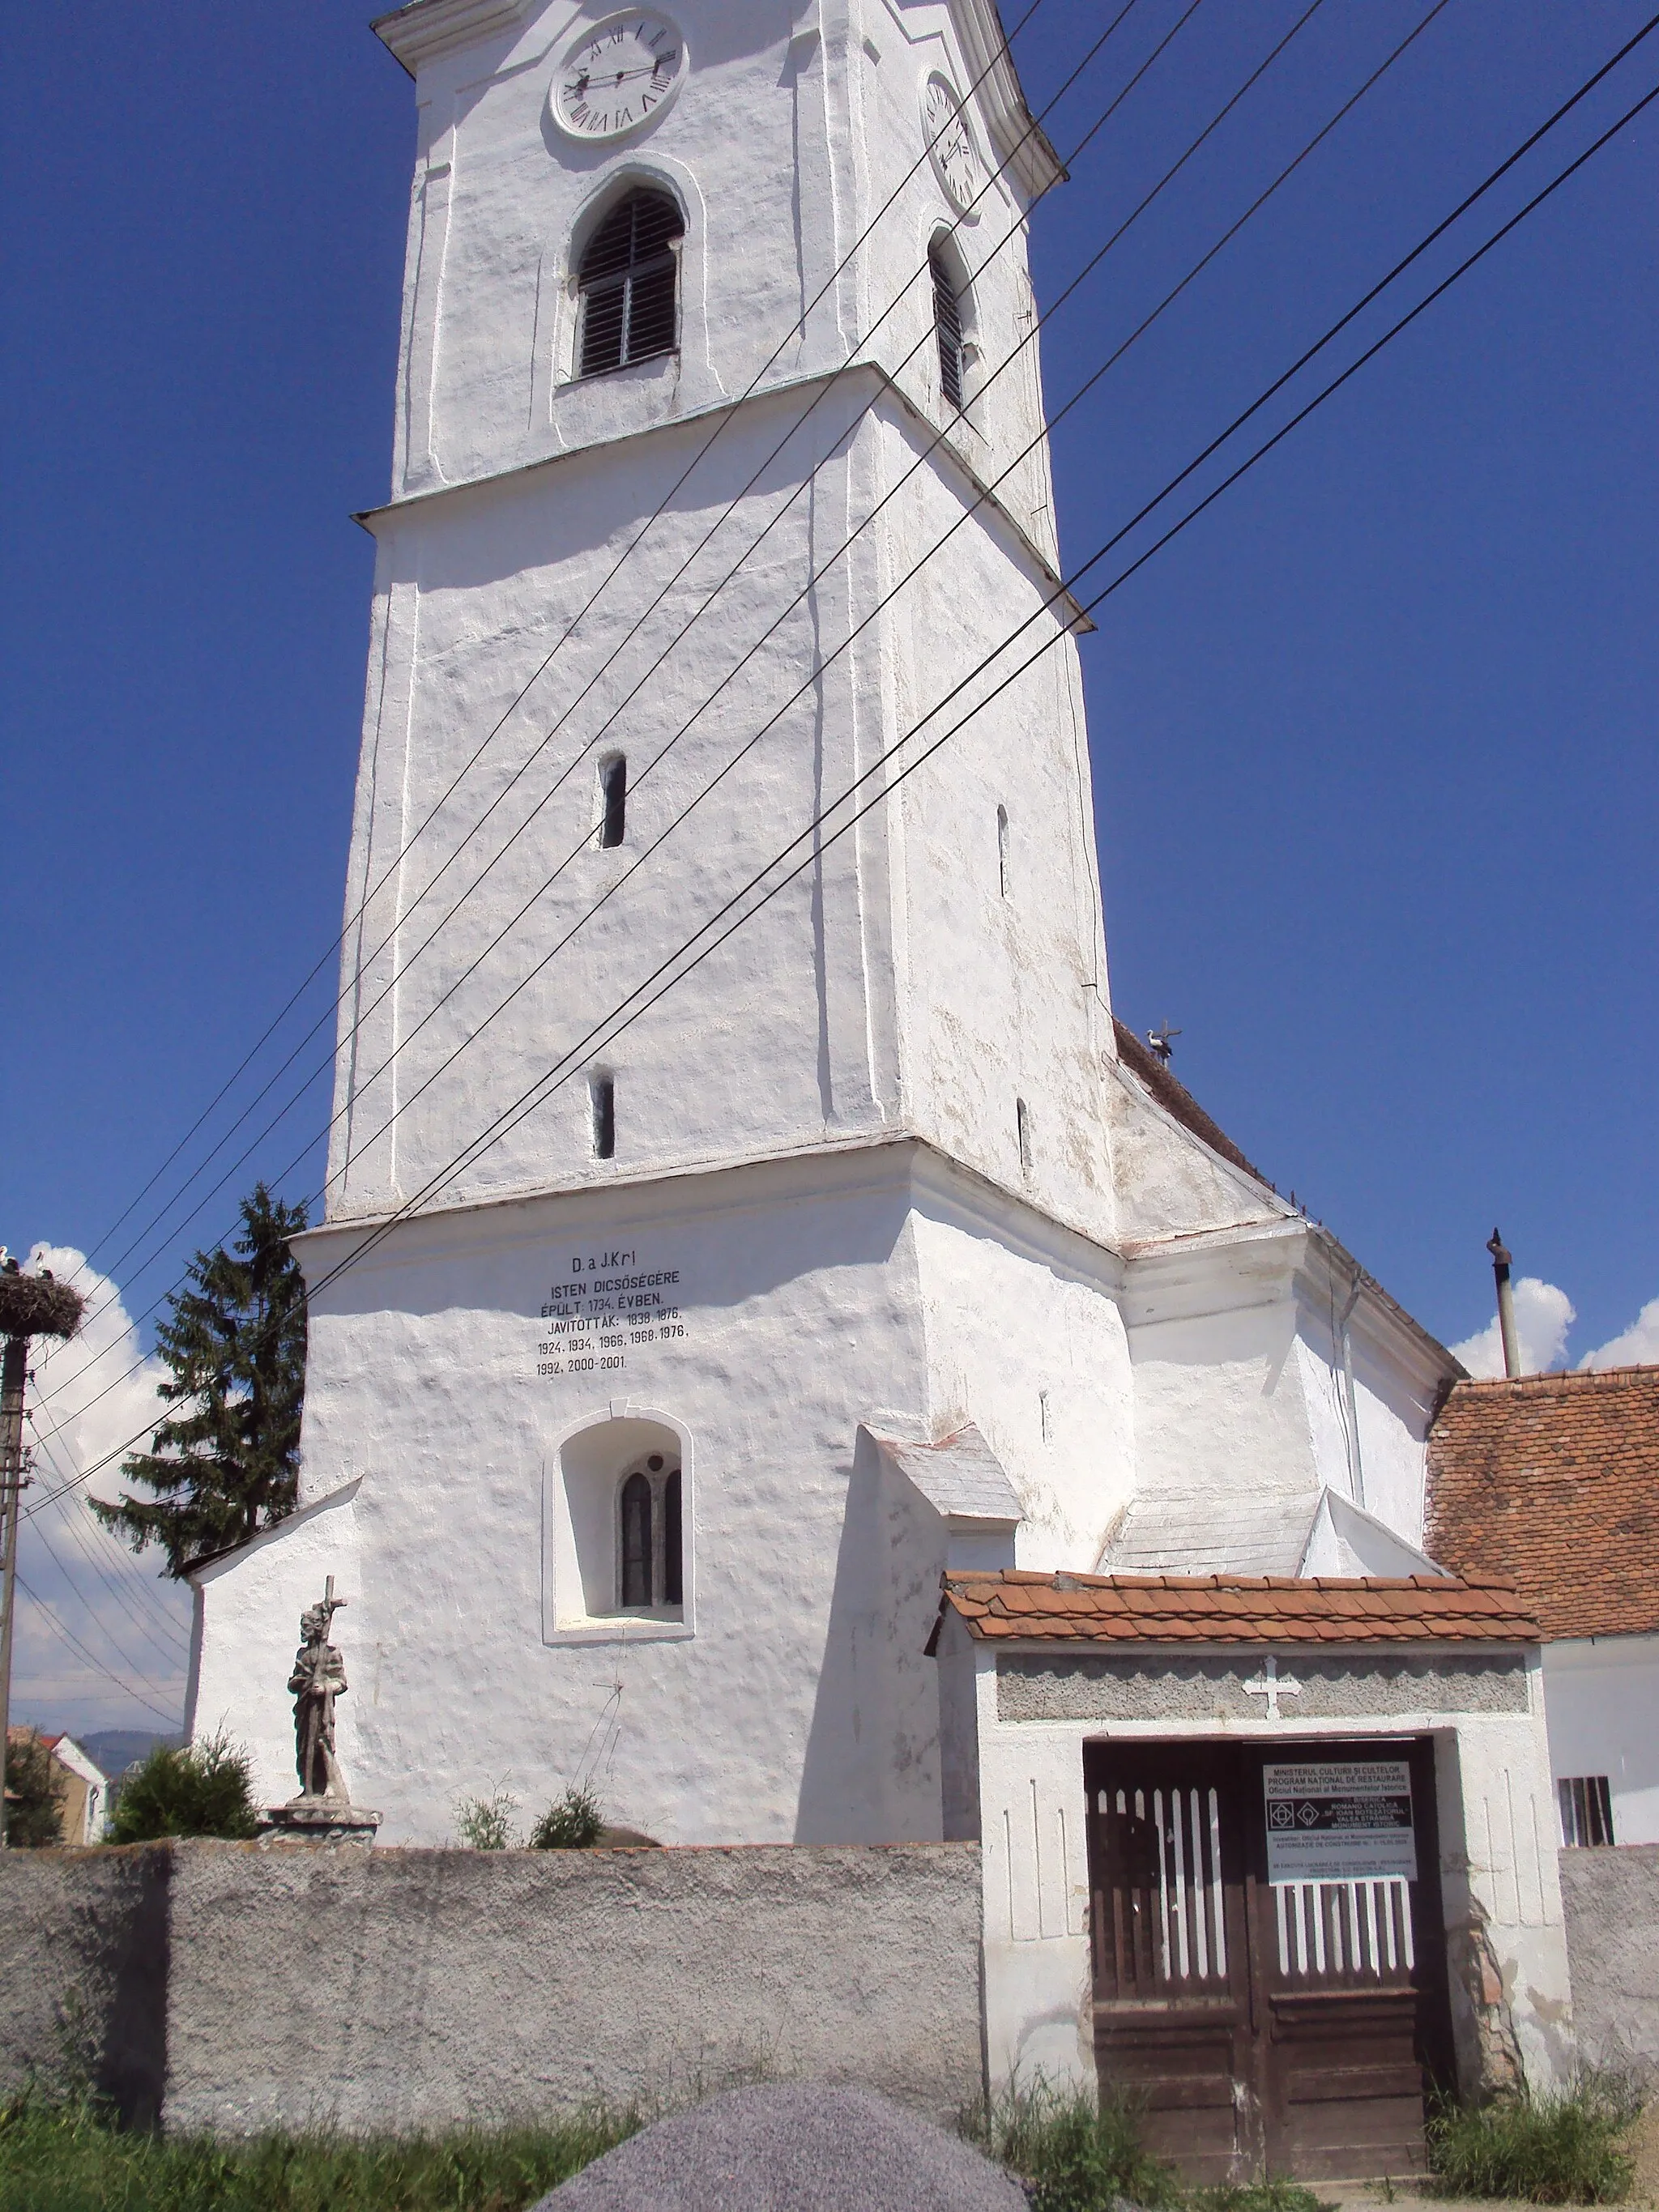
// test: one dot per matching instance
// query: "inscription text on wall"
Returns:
(603, 1309)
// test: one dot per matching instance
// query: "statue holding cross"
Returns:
(319, 1678)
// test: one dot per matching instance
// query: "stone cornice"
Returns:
(425, 28)
(1065, 604)
(1019, 140)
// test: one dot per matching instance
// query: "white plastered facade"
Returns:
(880, 1173)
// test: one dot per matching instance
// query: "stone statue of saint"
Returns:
(318, 1679)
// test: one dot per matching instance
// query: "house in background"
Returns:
(85, 1800)
(1551, 1482)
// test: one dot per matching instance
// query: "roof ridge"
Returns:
(1582, 1378)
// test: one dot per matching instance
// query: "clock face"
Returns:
(618, 75)
(949, 142)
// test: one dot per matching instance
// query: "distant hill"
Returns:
(117, 1749)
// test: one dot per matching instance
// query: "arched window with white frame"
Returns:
(618, 1525)
(628, 283)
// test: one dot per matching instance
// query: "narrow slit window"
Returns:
(613, 800)
(636, 1518)
(1002, 850)
(602, 1098)
(1022, 1125)
(627, 280)
(947, 328)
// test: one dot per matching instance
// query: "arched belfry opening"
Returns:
(628, 283)
(950, 314)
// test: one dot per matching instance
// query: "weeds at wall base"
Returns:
(1076, 2154)
(65, 2157)
(1569, 2148)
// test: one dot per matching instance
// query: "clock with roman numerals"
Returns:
(617, 76)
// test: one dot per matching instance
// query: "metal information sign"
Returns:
(1341, 1821)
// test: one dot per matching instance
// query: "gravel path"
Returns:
(791, 2148)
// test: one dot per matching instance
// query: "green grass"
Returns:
(1076, 2154)
(1565, 2149)
(65, 2157)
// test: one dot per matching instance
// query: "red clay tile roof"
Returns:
(1013, 1604)
(1553, 1482)
(1175, 1099)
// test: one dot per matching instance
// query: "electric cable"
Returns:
(924, 339)
(728, 414)
(826, 387)
(532, 1099)
(92, 1659)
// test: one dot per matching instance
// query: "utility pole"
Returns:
(1506, 1329)
(30, 1305)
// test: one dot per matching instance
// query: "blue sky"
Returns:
(1373, 742)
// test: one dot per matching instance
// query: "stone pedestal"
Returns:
(313, 1820)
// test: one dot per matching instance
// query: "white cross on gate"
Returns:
(1273, 1686)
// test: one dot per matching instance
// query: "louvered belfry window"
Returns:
(627, 280)
(947, 324)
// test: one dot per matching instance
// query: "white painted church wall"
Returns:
(246, 1632)
(790, 137)
(1169, 1184)
(1004, 956)
(1023, 1344)
(793, 1701)
(1603, 1699)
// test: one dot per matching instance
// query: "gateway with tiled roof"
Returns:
(1553, 1482)
(1237, 1608)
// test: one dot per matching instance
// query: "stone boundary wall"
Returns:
(221, 1986)
(1611, 1896)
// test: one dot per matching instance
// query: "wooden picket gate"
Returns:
(1263, 2024)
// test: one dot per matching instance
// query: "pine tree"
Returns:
(225, 1464)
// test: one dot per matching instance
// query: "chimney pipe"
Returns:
(1500, 1268)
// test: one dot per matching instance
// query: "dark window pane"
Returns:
(637, 1540)
(603, 1095)
(627, 279)
(602, 328)
(673, 1584)
(651, 312)
(947, 324)
(613, 786)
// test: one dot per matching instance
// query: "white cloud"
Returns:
(1635, 1346)
(1543, 1315)
(94, 1393)
(89, 1400)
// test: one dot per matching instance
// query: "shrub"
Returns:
(37, 1790)
(1567, 2148)
(486, 1823)
(194, 1789)
(572, 1823)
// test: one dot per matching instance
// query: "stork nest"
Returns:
(38, 1305)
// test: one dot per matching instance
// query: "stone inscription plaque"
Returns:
(605, 1310)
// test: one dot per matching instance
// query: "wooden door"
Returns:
(1169, 1936)
(1265, 2022)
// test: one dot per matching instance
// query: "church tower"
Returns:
(740, 1205)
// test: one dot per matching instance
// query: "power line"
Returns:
(533, 1097)
(157, 1630)
(749, 654)
(545, 1084)
(727, 415)
(825, 387)
(51, 1618)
